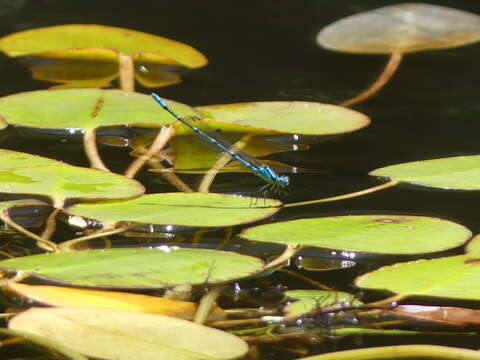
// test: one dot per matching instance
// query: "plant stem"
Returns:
(127, 72)
(90, 146)
(163, 136)
(345, 196)
(387, 73)
(50, 246)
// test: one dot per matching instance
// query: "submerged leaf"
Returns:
(62, 296)
(389, 234)
(401, 28)
(187, 209)
(115, 334)
(457, 172)
(138, 268)
(449, 277)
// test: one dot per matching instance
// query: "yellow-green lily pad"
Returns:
(64, 182)
(75, 36)
(125, 335)
(308, 300)
(137, 268)
(401, 28)
(186, 209)
(449, 277)
(388, 234)
(295, 117)
(452, 173)
(85, 109)
(14, 159)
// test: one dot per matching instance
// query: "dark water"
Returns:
(265, 50)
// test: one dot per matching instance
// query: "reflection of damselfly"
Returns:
(275, 182)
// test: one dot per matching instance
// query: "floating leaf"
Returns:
(400, 352)
(14, 159)
(446, 315)
(139, 268)
(309, 300)
(85, 109)
(402, 28)
(66, 296)
(74, 36)
(450, 277)
(396, 30)
(295, 117)
(68, 182)
(389, 234)
(473, 246)
(187, 209)
(455, 173)
(44, 342)
(115, 334)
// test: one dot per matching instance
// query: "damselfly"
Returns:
(275, 182)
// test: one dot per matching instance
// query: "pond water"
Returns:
(265, 50)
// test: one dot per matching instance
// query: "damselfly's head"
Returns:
(283, 180)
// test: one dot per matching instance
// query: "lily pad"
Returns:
(401, 28)
(139, 268)
(74, 36)
(295, 117)
(473, 246)
(85, 109)
(186, 209)
(388, 234)
(452, 173)
(68, 182)
(400, 352)
(309, 300)
(449, 277)
(14, 159)
(124, 335)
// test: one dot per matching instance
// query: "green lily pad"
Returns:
(68, 182)
(295, 117)
(137, 268)
(449, 277)
(75, 36)
(388, 234)
(85, 109)
(309, 300)
(473, 246)
(453, 173)
(400, 352)
(14, 159)
(401, 28)
(125, 335)
(186, 209)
